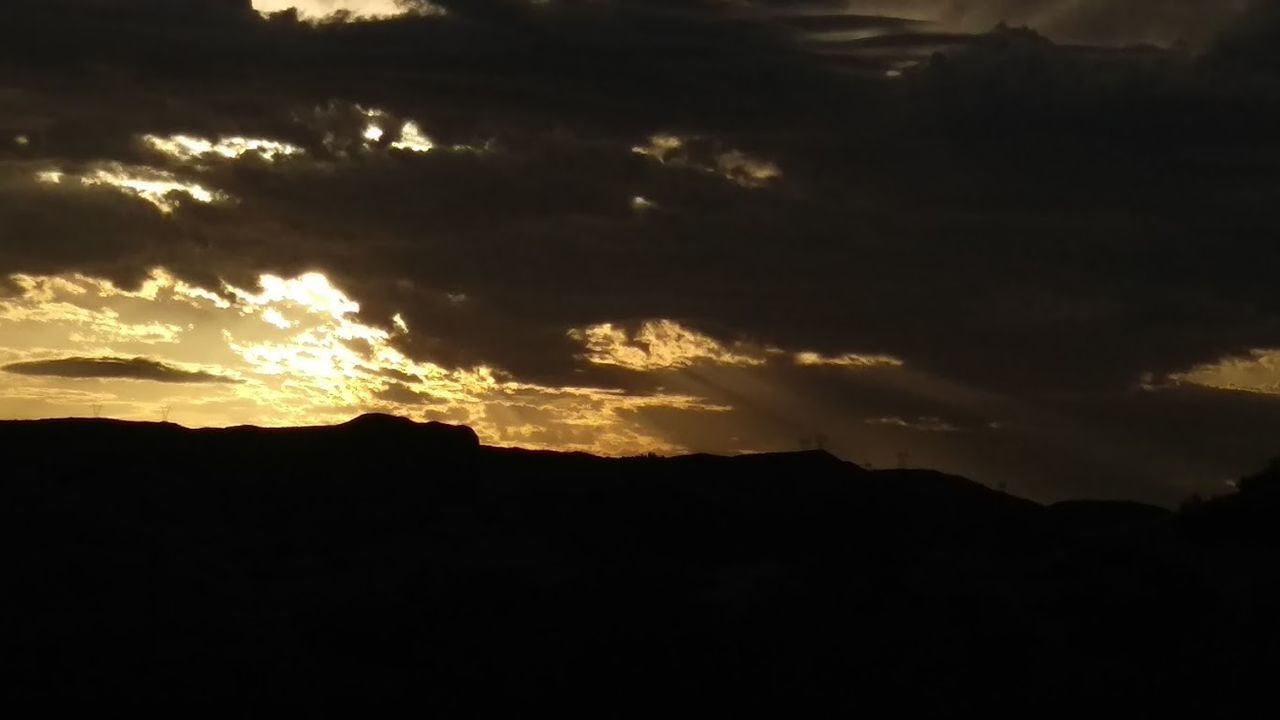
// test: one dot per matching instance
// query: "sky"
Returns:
(1032, 242)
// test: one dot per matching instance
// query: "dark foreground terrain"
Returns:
(385, 561)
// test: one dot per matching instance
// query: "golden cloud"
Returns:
(709, 157)
(353, 10)
(161, 188)
(1258, 372)
(188, 147)
(290, 351)
(667, 345)
(846, 360)
(657, 345)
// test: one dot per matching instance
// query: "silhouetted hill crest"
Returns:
(386, 559)
(378, 427)
(1251, 514)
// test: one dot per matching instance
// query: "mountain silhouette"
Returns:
(384, 560)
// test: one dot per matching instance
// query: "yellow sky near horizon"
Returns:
(292, 351)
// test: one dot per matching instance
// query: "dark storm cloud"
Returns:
(1013, 215)
(126, 368)
(550, 212)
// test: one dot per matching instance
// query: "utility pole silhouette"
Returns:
(164, 413)
(96, 409)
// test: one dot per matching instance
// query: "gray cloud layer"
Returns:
(106, 367)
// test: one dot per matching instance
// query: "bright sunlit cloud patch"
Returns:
(657, 345)
(161, 188)
(348, 128)
(46, 301)
(312, 292)
(660, 147)
(188, 147)
(747, 171)
(412, 139)
(847, 360)
(709, 157)
(640, 203)
(1258, 372)
(668, 345)
(357, 10)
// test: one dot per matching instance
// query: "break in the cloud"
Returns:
(661, 345)
(704, 156)
(186, 147)
(356, 9)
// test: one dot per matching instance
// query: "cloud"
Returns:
(923, 424)
(846, 360)
(698, 154)
(187, 147)
(1084, 21)
(1257, 372)
(351, 10)
(1017, 225)
(117, 368)
(158, 187)
(657, 345)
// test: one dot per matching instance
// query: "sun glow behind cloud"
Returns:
(846, 360)
(412, 139)
(291, 351)
(409, 137)
(357, 9)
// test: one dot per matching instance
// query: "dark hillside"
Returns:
(385, 560)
